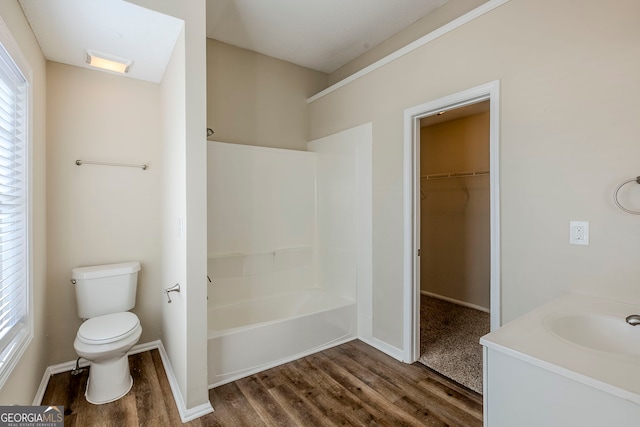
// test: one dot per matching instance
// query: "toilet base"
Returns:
(109, 380)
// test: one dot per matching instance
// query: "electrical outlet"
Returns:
(579, 232)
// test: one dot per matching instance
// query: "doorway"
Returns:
(412, 212)
(454, 241)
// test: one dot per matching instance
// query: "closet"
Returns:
(455, 241)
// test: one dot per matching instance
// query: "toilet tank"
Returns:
(105, 289)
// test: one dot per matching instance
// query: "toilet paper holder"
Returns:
(174, 288)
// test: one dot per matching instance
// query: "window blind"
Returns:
(14, 280)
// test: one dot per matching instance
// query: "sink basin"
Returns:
(597, 331)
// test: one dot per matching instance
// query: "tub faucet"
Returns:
(633, 319)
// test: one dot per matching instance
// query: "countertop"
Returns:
(527, 338)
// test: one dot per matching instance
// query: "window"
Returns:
(15, 317)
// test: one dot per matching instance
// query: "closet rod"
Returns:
(454, 175)
(126, 165)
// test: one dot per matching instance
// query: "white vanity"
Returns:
(573, 362)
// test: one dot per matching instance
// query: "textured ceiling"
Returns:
(66, 28)
(318, 34)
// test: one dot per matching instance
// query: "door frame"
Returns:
(411, 260)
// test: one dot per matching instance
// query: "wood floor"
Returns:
(349, 385)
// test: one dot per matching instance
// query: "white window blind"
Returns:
(14, 224)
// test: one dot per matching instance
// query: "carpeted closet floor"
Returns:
(449, 340)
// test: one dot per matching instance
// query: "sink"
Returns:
(597, 331)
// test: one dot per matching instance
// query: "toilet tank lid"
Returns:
(106, 270)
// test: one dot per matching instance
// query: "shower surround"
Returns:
(289, 241)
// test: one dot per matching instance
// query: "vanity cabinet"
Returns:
(520, 393)
(574, 362)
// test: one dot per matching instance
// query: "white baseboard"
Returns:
(186, 414)
(387, 349)
(141, 348)
(68, 366)
(44, 382)
(455, 301)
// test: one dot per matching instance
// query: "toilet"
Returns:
(104, 294)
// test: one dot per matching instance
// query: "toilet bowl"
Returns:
(105, 294)
(105, 341)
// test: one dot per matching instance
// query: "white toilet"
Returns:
(104, 294)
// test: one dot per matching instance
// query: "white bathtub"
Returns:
(254, 335)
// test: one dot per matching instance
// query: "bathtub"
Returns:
(254, 335)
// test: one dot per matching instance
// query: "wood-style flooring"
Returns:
(349, 385)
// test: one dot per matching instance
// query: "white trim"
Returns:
(388, 349)
(494, 194)
(485, 386)
(410, 241)
(70, 365)
(140, 348)
(458, 22)
(196, 412)
(456, 301)
(24, 336)
(411, 182)
(44, 382)
(186, 414)
(13, 48)
(51, 370)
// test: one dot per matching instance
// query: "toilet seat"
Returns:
(108, 328)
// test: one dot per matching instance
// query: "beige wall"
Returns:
(100, 214)
(21, 386)
(254, 99)
(436, 19)
(454, 226)
(184, 205)
(174, 269)
(569, 87)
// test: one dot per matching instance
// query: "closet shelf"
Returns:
(454, 175)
